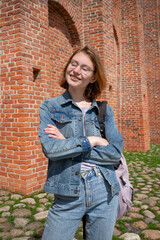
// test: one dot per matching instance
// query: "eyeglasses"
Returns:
(83, 68)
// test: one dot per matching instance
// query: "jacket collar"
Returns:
(65, 98)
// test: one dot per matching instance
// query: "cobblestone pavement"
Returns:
(23, 217)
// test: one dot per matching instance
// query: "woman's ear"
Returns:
(93, 79)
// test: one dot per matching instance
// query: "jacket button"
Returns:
(75, 191)
(77, 173)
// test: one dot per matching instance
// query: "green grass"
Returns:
(151, 157)
(11, 220)
(79, 234)
(115, 238)
(36, 235)
(153, 226)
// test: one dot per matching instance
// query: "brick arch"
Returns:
(63, 38)
(71, 19)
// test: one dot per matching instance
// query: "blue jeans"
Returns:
(95, 201)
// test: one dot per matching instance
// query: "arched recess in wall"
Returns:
(63, 39)
(118, 79)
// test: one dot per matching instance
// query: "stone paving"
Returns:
(23, 217)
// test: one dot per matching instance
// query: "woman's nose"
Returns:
(77, 69)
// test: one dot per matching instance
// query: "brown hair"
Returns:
(93, 89)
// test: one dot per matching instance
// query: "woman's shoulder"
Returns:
(51, 102)
(109, 110)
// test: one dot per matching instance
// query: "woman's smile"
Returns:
(74, 78)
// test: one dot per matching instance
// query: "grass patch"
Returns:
(151, 157)
(11, 219)
(121, 227)
(50, 199)
(142, 235)
(43, 220)
(115, 238)
(79, 234)
(36, 235)
(153, 226)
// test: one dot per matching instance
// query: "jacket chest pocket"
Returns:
(92, 128)
(64, 123)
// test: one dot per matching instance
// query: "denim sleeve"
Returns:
(58, 149)
(110, 154)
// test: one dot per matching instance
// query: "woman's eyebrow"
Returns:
(84, 65)
(74, 60)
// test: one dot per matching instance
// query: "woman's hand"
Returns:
(97, 141)
(54, 132)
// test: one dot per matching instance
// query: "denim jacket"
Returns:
(65, 155)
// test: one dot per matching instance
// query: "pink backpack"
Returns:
(126, 192)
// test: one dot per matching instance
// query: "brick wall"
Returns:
(38, 36)
(24, 51)
(152, 59)
(134, 86)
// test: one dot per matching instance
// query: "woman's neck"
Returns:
(80, 99)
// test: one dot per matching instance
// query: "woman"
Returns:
(80, 168)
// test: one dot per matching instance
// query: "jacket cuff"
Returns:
(85, 144)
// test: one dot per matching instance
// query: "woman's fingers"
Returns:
(51, 129)
(54, 132)
(52, 136)
(97, 141)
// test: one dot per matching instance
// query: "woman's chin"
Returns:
(73, 82)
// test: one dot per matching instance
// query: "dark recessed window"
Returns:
(35, 74)
(110, 88)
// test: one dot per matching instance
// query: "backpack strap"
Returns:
(101, 116)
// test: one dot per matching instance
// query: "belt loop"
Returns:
(96, 171)
(84, 174)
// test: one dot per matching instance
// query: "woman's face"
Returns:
(80, 72)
